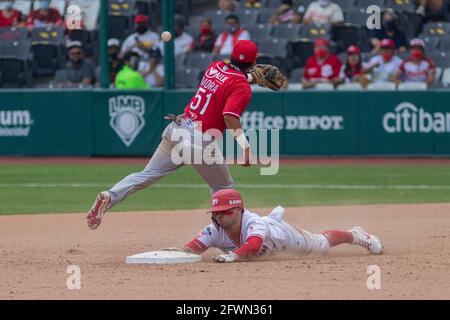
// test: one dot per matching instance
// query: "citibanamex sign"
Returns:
(127, 117)
(407, 118)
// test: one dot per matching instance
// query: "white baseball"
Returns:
(166, 36)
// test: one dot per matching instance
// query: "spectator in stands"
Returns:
(389, 30)
(233, 33)
(433, 10)
(115, 63)
(129, 77)
(385, 64)
(142, 40)
(353, 70)
(43, 15)
(284, 14)
(323, 66)
(299, 10)
(253, 4)
(183, 42)
(8, 16)
(228, 5)
(418, 67)
(152, 70)
(79, 71)
(206, 39)
(324, 11)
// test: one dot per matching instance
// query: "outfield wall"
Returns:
(129, 123)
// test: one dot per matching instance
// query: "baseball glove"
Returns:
(267, 76)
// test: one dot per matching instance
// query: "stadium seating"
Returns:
(345, 4)
(296, 75)
(446, 77)
(47, 47)
(437, 29)
(356, 16)
(347, 35)
(265, 14)
(314, 31)
(199, 60)
(301, 51)
(401, 5)
(274, 3)
(287, 31)
(381, 86)
(248, 17)
(440, 58)
(259, 31)
(364, 4)
(351, 86)
(187, 78)
(13, 33)
(15, 59)
(286, 45)
(120, 18)
(412, 86)
(431, 42)
(444, 44)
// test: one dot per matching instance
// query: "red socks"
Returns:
(338, 237)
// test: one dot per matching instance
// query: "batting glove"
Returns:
(227, 258)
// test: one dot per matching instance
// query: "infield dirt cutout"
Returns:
(37, 250)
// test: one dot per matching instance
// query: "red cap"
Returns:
(321, 42)
(226, 199)
(353, 50)
(387, 43)
(245, 51)
(141, 19)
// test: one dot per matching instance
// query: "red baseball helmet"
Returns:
(245, 51)
(226, 199)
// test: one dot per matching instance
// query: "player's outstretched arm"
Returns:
(249, 249)
(234, 124)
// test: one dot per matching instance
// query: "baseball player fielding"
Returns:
(222, 97)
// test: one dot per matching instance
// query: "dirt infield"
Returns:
(36, 251)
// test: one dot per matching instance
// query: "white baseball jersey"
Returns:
(276, 234)
(332, 13)
(384, 69)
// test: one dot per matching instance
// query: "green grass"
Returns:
(17, 198)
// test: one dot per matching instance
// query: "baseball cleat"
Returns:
(95, 215)
(362, 238)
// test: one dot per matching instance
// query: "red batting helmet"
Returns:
(226, 199)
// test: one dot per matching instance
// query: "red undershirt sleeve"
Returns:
(250, 248)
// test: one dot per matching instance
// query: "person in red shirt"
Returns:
(222, 97)
(353, 70)
(43, 15)
(8, 16)
(418, 67)
(323, 66)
